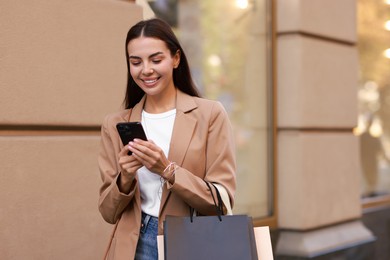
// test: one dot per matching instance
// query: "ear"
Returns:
(176, 59)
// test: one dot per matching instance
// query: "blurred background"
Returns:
(306, 84)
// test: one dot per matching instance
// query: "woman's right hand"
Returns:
(129, 166)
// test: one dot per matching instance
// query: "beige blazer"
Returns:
(202, 145)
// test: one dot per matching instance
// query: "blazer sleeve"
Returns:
(220, 166)
(112, 202)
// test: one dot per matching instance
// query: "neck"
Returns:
(160, 104)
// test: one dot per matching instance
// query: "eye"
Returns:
(156, 61)
(135, 63)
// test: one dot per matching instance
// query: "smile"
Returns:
(150, 81)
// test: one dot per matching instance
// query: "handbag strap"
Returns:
(225, 198)
(218, 206)
(220, 201)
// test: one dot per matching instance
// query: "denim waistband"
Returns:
(148, 222)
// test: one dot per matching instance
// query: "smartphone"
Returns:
(128, 131)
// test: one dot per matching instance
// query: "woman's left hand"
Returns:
(150, 155)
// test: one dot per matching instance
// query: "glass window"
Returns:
(227, 44)
(374, 96)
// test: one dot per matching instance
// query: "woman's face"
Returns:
(151, 65)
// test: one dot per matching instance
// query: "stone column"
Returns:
(319, 207)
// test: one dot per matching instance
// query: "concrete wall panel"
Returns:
(316, 83)
(63, 62)
(318, 180)
(327, 18)
(49, 191)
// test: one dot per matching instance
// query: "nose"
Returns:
(147, 69)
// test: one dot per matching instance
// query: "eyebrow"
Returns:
(150, 56)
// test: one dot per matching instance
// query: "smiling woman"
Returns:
(190, 143)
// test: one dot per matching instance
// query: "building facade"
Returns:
(63, 68)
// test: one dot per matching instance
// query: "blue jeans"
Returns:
(147, 242)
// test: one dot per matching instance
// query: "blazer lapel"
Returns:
(181, 137)
(183, 128)
(136, 113)
(183, 131)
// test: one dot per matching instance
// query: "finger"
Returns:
(151, 141)
(155, 161)
(147, 147)
(131, 167)
(150, 144)
(124, 151)
(127, 161)
(141, 157)
(140, 149)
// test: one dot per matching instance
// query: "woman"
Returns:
(189, 142)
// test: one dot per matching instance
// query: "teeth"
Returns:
(150, 81)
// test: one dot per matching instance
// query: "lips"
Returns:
(150, 82)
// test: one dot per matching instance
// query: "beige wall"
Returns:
(62, 68)
(318, 158)
(317, 109)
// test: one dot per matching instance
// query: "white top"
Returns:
(158, 128)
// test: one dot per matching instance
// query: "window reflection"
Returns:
(226, 42)
(374, 96)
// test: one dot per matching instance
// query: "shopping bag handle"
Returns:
(225, 199)
(218, 207)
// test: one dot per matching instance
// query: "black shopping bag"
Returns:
(209, 237)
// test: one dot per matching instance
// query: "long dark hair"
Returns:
(157, 28)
